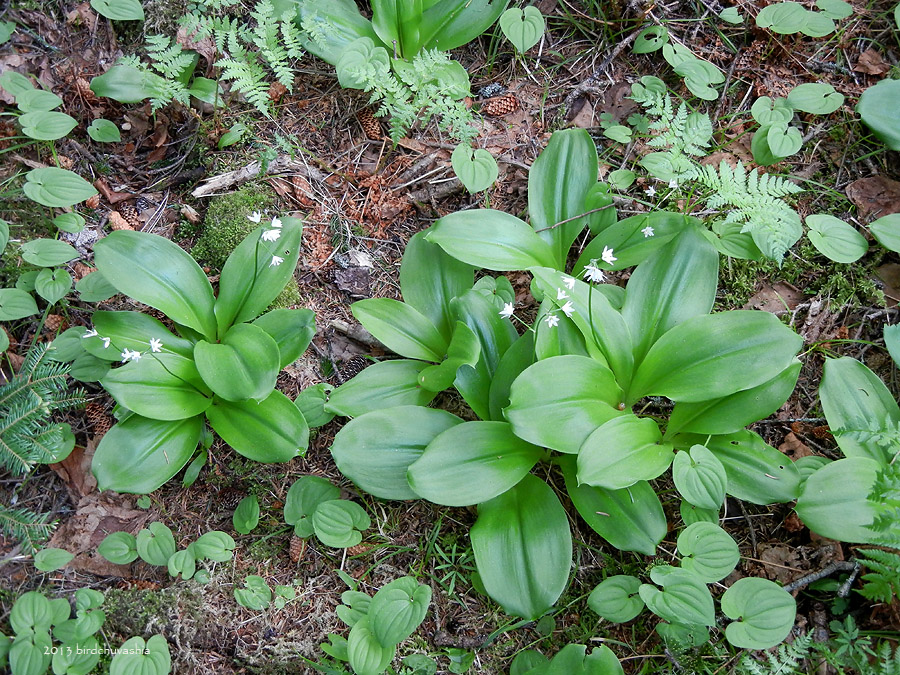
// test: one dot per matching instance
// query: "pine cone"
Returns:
(297, 548)
(359, 549)
(500, 105)
(99, 420)
(117, 221)
(131, 216)
(370, 124)
(353, 367)
(53, 322)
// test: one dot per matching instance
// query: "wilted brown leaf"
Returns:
(874, 196)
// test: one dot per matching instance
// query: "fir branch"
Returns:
(28, 528)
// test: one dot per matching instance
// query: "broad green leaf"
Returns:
(104, 131)
(292, 330)
(700, 477)
(311, 402)
(255, 595)
(887, 229)
(622, 452)
(448, 24)
(731, 15)
(808, 465)
(304, 497)
(514, 361)
(356, 59)
(835, 9)
(650, 40)
(766, 110)
(523, 548)
(471, 463)
(16, 304)
(464, 350)
(118, 331)
(120, 548)
(676, 283)
(127, 84)
(631, 519)
(558, 402)
(763, 613)
(491, 239)
(382, 386)
(244, 366)
(818, 25)
(15, 83)
(708, 551)
(256, 272)
(834, 503)
(207, 90)
(233, 136)
(817, 98)
(119, 10)
(756, 472)
(69, 222)
(367, 656)
(156, 272)
(50, 559)
(140, 454)
(734, 412)
(684, 598)
(88, 368)
(75, 661)
(158, 386)
(475, 167)
(783, 140)
(429, 279)
(36, 100)
(31, 611)
(522, 27)
(401, 328)
(712, 356)
(876, 108)
(182, 562)
(397, 609)
(215, 545)
(47, 252)
(246, 516)
(558, 185)
(94, 287)
(30, 653)
(376, 449)
(156, 544)
(858, 406)
(836, 239)
(338, 523)
(783, 17)
(616, 598)
(690, 514)
(137, 657)
(573, 659)
(528, 662)
(892, 341)
(683, 636)
(46, 125)
(270, 430)
(633, 239)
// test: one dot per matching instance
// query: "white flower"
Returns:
(507, 311)
(276, 261)
(650, 191)
(561, 294)
(673, 184)
(91, 333)
(593, 273)
(567, 308)
(569, 283)
(276, 223)
(255, 217)
(647, 232)
(106, 342)
(607, 256)
(552, 320)
(271, 235)
(129, 355)
(155, 345)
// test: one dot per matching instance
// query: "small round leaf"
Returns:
(215, 545)
(700, 477)
(305, 495)
(338, 523)
(817, 98)
(69, 222)
(50, 559)
(763, 612)
(835, 239)
(246, 515)
(616, 598)
(397, 609)
(708, 551)
(476, 169)
(156, 544)
(104, 131)
(256, 593)
(120, 548)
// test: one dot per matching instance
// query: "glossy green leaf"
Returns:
(156, 544)
(256, 272)
(120, 548)
(338, 523)
(270, 430)
(633, 239)
(448, 24)
(69, 222)
(683, 636)
(104, 131)
(715, 355)
(817, 98)
(88, 368)
(48, 252)
(119, 10)
(684, 597)
(15, 83)
(887, 230)
(522, 27)
(366, 654)
(255, 594)
(401, 328)
(46, 125)
(158, 386)
(134, 331)
(514, 361)
(376, 449)
(31, 611)
(243, 366)
(631, 519)
(292, 330)
(559, 402)
(94, 288)
(16, 304)
(833, 501)
(304, 497)
(156, 272)
(235, 133)
(183, 563)
(491, 239)
(311, 402)
(50, 559)
(382, 386)
(731, 15)
(734, 412)
(471, 463)
(246, 516)
(616, 598)
(783, 17)
(573, 659)
(36, 100)
(650, 40)
(708, 551)
(876, 108)
(140, 454)
(700, 477)
(464, 350)
(857, 406)
(214, 545)
(763, 613)
(523, 548)
(836, 239)
(127, 84)
(397, 609)
(818, 25)
(892, 341)
(475, 167)
(558, 185)
(623, 451)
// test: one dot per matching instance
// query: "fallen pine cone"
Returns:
(99, 420)
(353, 367)
(500, 105)
(131, 216)
(297, 548)
(53, 322)
(370, 124)
(117, 221)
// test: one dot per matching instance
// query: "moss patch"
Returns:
(226, 224)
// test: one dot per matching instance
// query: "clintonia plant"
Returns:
(220, 367)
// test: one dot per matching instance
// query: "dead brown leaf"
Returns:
(75, 470)
(109, 194)
(875, 196)
(889, 274)
(83, 14)
(794, 448)
(776, 298)
(871, 63)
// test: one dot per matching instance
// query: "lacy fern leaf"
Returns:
(786, 660)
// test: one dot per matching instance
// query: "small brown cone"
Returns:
(130, 214)
(353, 367)
(117, 221)
(99, 420)
(370, 124)
(500, 105)
(54, 322)
(297, 548)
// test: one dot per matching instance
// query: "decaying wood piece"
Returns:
(283, 164)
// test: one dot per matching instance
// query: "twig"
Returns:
(837, 566)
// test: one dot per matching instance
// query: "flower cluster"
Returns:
(127, 354)
(269, 235)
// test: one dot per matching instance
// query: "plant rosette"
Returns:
(219, 367)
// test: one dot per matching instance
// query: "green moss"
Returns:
(289, 296)
(226, 224)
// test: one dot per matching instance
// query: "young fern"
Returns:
(170, 61)
(883, 582)
(786, 660)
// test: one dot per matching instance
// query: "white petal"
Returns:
(276, 261)
(276, 222)
(255, 217)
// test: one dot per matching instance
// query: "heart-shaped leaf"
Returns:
(338, 523)
(650, 39)
(69, 222)
(46, 125)
(156, 544)
(304, 497)
(50, 559)
(104, 131)
(684, 598)
(366, 654)
(763, 613)
(182, 562)
(397, 609)
(53, 284)
(215, 545)
(783, 140)
(835, 238)
(616, 598)
(36, 100)
(246, 515)
(700, 477)
(119, 10)
(522, 27)
(817, 98)
(120, 548)
(476, 168)
(708, 551)
(48, 252)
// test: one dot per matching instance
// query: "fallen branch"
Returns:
(282, 164)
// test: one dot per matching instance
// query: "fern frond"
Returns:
(786, 660)
(883, 583)
(28, 528)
